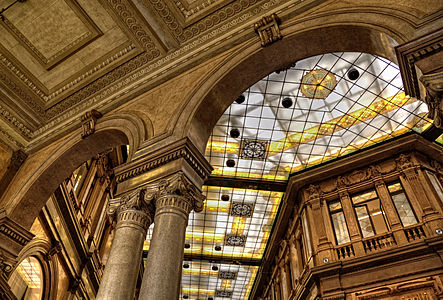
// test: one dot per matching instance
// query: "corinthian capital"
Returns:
(133, 207)
(176, 190)
(434, 96)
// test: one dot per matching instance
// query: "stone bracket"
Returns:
(434, 97)
(268, 30)
(89, 119)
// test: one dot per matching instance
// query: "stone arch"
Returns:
(40, 249)
(43, 171)
(249, 63)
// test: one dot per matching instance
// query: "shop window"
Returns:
(402, 204)
(339, 223)
(370, 213)
(26, 281)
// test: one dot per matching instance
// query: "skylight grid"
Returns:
(362, 111)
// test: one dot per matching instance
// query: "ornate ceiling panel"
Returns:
(61, 58)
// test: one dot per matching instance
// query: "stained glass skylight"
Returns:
(274, 129)
(354, 113)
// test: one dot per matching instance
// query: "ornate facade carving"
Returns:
(404, 162)
(434, 97)
(89, 120)
(268, 30)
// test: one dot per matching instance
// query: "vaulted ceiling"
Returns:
(60, 58)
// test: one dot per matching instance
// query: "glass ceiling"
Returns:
(325, 107)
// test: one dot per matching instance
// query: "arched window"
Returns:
(26, 281)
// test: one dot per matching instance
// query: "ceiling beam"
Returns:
(243, 183)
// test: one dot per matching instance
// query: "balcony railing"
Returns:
(346, 251)
(414, 233)
(378, 242)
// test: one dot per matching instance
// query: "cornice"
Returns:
(411, 52)
(183, 149)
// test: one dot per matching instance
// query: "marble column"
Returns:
(134, 215)
(174, 199)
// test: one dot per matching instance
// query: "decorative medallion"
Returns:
(241, 209)
(224, 294)
(318, 84)
(253, 149)
(227, 275)
(235, 240)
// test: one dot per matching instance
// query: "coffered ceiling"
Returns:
(60, 58)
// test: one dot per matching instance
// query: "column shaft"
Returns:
(123, 265)
(161, 280)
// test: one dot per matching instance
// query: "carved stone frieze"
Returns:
(268, 30)
(434, 97)
(88, 122)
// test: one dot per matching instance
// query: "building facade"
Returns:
(127, 129)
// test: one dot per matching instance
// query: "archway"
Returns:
(250, 63)
(44, 170)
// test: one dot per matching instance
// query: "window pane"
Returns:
(27, 280)
(364, 197)
(437, 186)
(377, 216)
(365, 222)
(404, 209)
(334, 206)
(341, 231)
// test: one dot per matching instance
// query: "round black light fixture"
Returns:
(217, 248)
(214, 268)
(353, 74)
(234, 133)
(185, 266)
(230, 163)
(240, 99)
(185, 297)
(225, 197)
(187, 246)
(287, 102)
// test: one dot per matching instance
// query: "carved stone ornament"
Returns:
(56, 248)
(268, 30)
(434, 97)
(6, 265)
(89, 120)
(176, 190)
(314, 192)
(404, 162)
(132, 207)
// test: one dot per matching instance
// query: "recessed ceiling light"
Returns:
(225, 197)
(230, 163)
(240, 99)
(353, 74)
(234, 133)
(287, 102)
